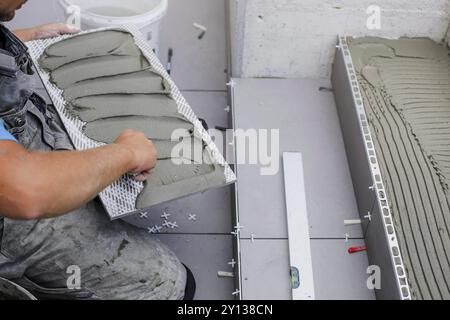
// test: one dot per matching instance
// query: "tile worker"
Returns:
(50, 220)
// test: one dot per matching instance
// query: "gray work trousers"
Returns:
(106, 260)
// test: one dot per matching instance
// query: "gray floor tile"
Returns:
(337, 274)
(212, 211)
(205, 255)
(197, 64)
(265, 270)
(209, 106)
(308, 123)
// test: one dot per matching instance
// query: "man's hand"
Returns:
(45, 31)
(143, 150)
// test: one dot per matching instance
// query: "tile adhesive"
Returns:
(108, 83)
(405, 85)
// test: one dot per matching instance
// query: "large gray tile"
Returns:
(205, 255)
(265, 270)
(308, 123)
(212, 210)
(197, 64)
(209, 106)
(337, 274)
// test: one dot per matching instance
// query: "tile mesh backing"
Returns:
(119, 199)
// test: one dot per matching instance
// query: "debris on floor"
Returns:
(202, 28)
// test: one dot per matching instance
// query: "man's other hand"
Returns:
(143, 150)
(53, 30)
(45, 31)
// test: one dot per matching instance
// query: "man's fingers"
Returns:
(67, 28)
(141, 177)
(53, 30)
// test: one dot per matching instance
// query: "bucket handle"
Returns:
(65, 3)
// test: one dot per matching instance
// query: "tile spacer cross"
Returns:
(166, 216)
(167, 224)
(144, 215)
(232, 263)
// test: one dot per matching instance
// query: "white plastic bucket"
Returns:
(145, 14)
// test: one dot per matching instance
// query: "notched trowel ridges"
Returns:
(404, 85)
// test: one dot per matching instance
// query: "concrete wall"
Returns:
(237, 25)
(296, 38)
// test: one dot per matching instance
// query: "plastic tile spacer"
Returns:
(165, 216)
(223, 274)
(231, 84)
(232, 263)
(144, 215)
(352, 222)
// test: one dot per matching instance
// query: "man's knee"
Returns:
(138, 281)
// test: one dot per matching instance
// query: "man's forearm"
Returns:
(95, 170)
(25, 34)
(59, 182)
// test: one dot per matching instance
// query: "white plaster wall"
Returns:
(237, 25)
(297, 38)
